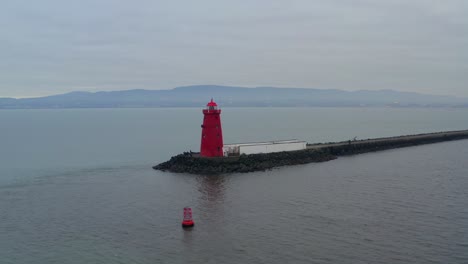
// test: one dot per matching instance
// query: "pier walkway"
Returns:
(428, 136)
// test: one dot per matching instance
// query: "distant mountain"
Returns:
(196, 96)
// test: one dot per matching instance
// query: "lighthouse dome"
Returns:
(211, 103)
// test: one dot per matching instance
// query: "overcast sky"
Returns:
(57, 46)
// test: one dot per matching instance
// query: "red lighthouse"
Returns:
(212, 134)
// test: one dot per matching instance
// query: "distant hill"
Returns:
(196, 96)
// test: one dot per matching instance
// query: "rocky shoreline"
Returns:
(193, 164)
(187, 163)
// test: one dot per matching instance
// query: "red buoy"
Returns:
(212, 134)
(188, 221)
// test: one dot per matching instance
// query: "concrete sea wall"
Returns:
(190, 163)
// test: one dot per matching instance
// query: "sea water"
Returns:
(76, 186)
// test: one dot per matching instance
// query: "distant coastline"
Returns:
(231, 96)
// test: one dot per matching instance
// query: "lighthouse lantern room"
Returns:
(212, 134)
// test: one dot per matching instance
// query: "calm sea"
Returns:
(76, 186)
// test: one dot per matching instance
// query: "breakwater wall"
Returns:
(194, 164)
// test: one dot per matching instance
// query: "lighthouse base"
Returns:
(194, 164)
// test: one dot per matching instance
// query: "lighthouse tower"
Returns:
(212, 134)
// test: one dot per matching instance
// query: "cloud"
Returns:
(56, 46)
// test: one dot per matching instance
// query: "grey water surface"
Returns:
(76, 186)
